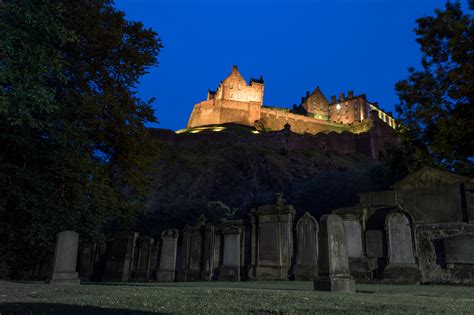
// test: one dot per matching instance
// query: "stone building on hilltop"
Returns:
(236, 101)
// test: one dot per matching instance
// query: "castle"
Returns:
(236, 101)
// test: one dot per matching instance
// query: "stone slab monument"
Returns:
(65, 259)
(120, 257)
(306, 267)
(230, 268)
(143, 266)
(402, 264)
(208, 265)
(272, 241)
(191, 264)
(333, 267)
(169, 250)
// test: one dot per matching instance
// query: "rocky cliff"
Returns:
(242, 169)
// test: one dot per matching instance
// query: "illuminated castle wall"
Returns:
(236, 101)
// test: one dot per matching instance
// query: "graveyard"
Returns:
(270, 297)
(127, 189)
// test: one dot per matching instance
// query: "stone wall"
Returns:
(442, 262)
(357, 140)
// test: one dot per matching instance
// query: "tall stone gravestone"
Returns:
(208, 266)
(402, 266)
(120, 254)
(359, 265)
(333, 267)
(230, 269)
(272, 241)
(306, 267)
(169, 250)
(143, 257)
(191, 253)
(65, 258)
(90, 259)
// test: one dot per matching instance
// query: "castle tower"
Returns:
(234, 101)
(316, 104)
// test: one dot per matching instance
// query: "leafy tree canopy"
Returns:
(74, 150)
(436, 103)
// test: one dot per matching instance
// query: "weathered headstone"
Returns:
(306, 267)
(459, 249)
(169, 249)
(400, 241)
(86, 260)
(402, 266)
(207, 272)
(120, 254)
(353, 231)
(154, 248)
(272, 241)
(191, 253)
(142, 266)
(230, 269)
(65, 258)
(90, 255)
(333, 267)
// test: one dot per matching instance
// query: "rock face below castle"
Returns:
(236, 101)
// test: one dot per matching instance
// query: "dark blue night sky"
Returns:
(338, 45)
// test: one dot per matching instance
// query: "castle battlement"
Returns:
(236, 101)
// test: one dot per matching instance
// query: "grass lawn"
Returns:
(292, 297)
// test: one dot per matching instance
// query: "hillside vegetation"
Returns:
(242, 175)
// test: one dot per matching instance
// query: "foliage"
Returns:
(74, 149)
(219, 211)
(436, 103)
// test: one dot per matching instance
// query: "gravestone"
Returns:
(402, 266)
(120, 254)
(90, 255)
(154, 259)
(230, 268)
(354, 238)
(400, 249)
(207, 272)
(459, 249)
(169, 250)
(191, 253)
(306, 267)
(272, 241)
(65, 258)
(142, 266)
(86, 260)
(333, 264)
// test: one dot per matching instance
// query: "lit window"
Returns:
(338, 106)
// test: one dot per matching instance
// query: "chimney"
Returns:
(350, 94)
(234, 68)
(341, 96)
(307, 94)
(302, 99)
(333, 99)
